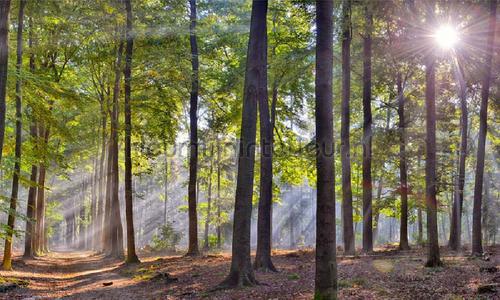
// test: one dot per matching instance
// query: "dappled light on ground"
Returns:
(86, 275)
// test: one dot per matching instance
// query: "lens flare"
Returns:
(446, 37)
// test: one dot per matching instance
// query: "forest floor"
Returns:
(387, 274)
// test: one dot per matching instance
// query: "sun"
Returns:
(446, 37)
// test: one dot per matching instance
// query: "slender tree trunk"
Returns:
(129, 209)
(4, 57)
(403, 175)
(116, 223)
(456, 217)
(209, 198)
(100, 232)
(93, 206)
(348, 233)
(367, 132)
(433, 258)
(165, 192)
(193, 117)
(31, 205)
(325, 284)
(82, 219)
(40, 207)
(263, 253)
(241, 272)
(107, 232)
(7, 254)
(376, 210)
(219, 200)
(477, 247)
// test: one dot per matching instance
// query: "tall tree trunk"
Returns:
(100, 232)
(325, 284)
(193, 136)
(116, 223)
(377, 210)
(82, 219)
(263, 253)
(241, 272)
(129, 209)
(93, 205)
(456, 216)
(403, 175)
(477, 247)
(4, 57)
(7, 254)
(31, 205)
(348, 233)
(433, 258)
(219, 200)
(165, 191)
(209, 198)
(107, 232)
(367, 132)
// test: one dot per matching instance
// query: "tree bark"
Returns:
(209, 199)
(456, 216)
(367, 133)
(433, 258)
(263, 253)
(193, 136)
(116, 224)
(129, 208)
(219, 200)
(101, 231)
(31, 205)
(165, 187)
(4, 57)
(325, 284)
(477, 246)
(348, 233)
(403, 174)
(7, 254)
(241, 272)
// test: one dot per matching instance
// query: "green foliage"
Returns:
(166, 239)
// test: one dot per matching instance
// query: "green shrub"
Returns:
(166, 239)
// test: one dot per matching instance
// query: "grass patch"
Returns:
(293, 276)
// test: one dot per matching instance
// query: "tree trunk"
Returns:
(433, 258)
(7, 254)
(129, 209)
(4, 57)
(116, 223)
(93, 206)
(367, 133)
(348, 233)
(219, 200)
(477, 247)
(107, 232)
(165, 191)
(263, 253)
(403, 175)
(325, 284)
(193, 136)
(241, 272)
(456, 216)
(209, 198)
(31, 205)
(100, 232)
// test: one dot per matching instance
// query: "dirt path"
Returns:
(386, 275)
(61, 274)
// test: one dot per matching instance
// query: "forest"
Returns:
(249, 149)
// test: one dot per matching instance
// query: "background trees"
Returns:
(75, 116)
